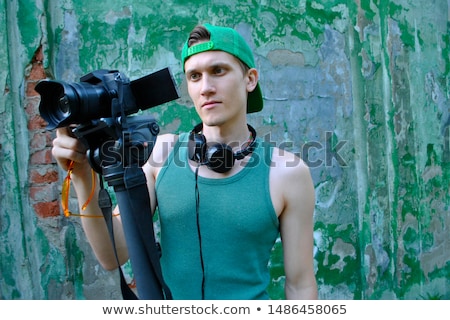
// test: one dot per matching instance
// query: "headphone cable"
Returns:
(197, 209)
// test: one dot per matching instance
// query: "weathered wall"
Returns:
(358, 88)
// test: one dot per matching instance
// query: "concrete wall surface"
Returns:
(358, 88)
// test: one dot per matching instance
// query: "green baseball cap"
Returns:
(230, 41)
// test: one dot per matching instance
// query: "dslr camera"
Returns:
(100, 108)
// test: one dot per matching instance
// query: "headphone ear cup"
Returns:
(219, 157)
(197, 147)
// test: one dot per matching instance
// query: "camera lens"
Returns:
(65, 103)
(64, 106)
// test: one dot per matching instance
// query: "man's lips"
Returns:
(210, 104)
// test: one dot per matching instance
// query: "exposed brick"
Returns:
(39, 55)
(30, 92)
(47, 209)
(49, 136)
(42, 157)
(50, 175)
(37, 71)
(36, 123)
(38, 141)
(43, 180)
(32, 107)
(45, 192)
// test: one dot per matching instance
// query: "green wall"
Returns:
(358, 88)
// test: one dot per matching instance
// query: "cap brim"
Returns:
(255, 100)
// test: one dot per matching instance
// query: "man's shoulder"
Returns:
(163, 146)
(167, 138)
(290, 181)
(287, 161)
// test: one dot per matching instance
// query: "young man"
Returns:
(223, 195)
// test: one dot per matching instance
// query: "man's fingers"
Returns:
(65, 139)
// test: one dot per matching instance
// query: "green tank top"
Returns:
(238, 227)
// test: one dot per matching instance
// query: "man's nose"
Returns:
(208, 85)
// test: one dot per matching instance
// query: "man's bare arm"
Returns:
(296, 225)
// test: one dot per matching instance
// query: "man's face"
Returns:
(218, 86)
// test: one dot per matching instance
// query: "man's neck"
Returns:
(236, 135)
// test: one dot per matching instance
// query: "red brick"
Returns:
(47, 209)
(39, 55)
(32, 107)
(47, 139)
(49, 136)
(44, 192)
(36, 123)
(42, 157)
(37, 71)
(49, 176)
(30, 92)
(38, 141)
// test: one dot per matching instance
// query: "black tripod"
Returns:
(134, 202)
(120, 160)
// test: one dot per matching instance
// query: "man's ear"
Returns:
(252, 79)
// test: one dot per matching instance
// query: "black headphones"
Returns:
(218, 157)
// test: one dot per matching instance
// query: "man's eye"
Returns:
(219, 70)
(194, 76)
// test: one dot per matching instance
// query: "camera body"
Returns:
(101, 107)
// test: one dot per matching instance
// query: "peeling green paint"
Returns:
(75, 261)
(381, 222)
(329, 273)
(276, 265)
(26, 16)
